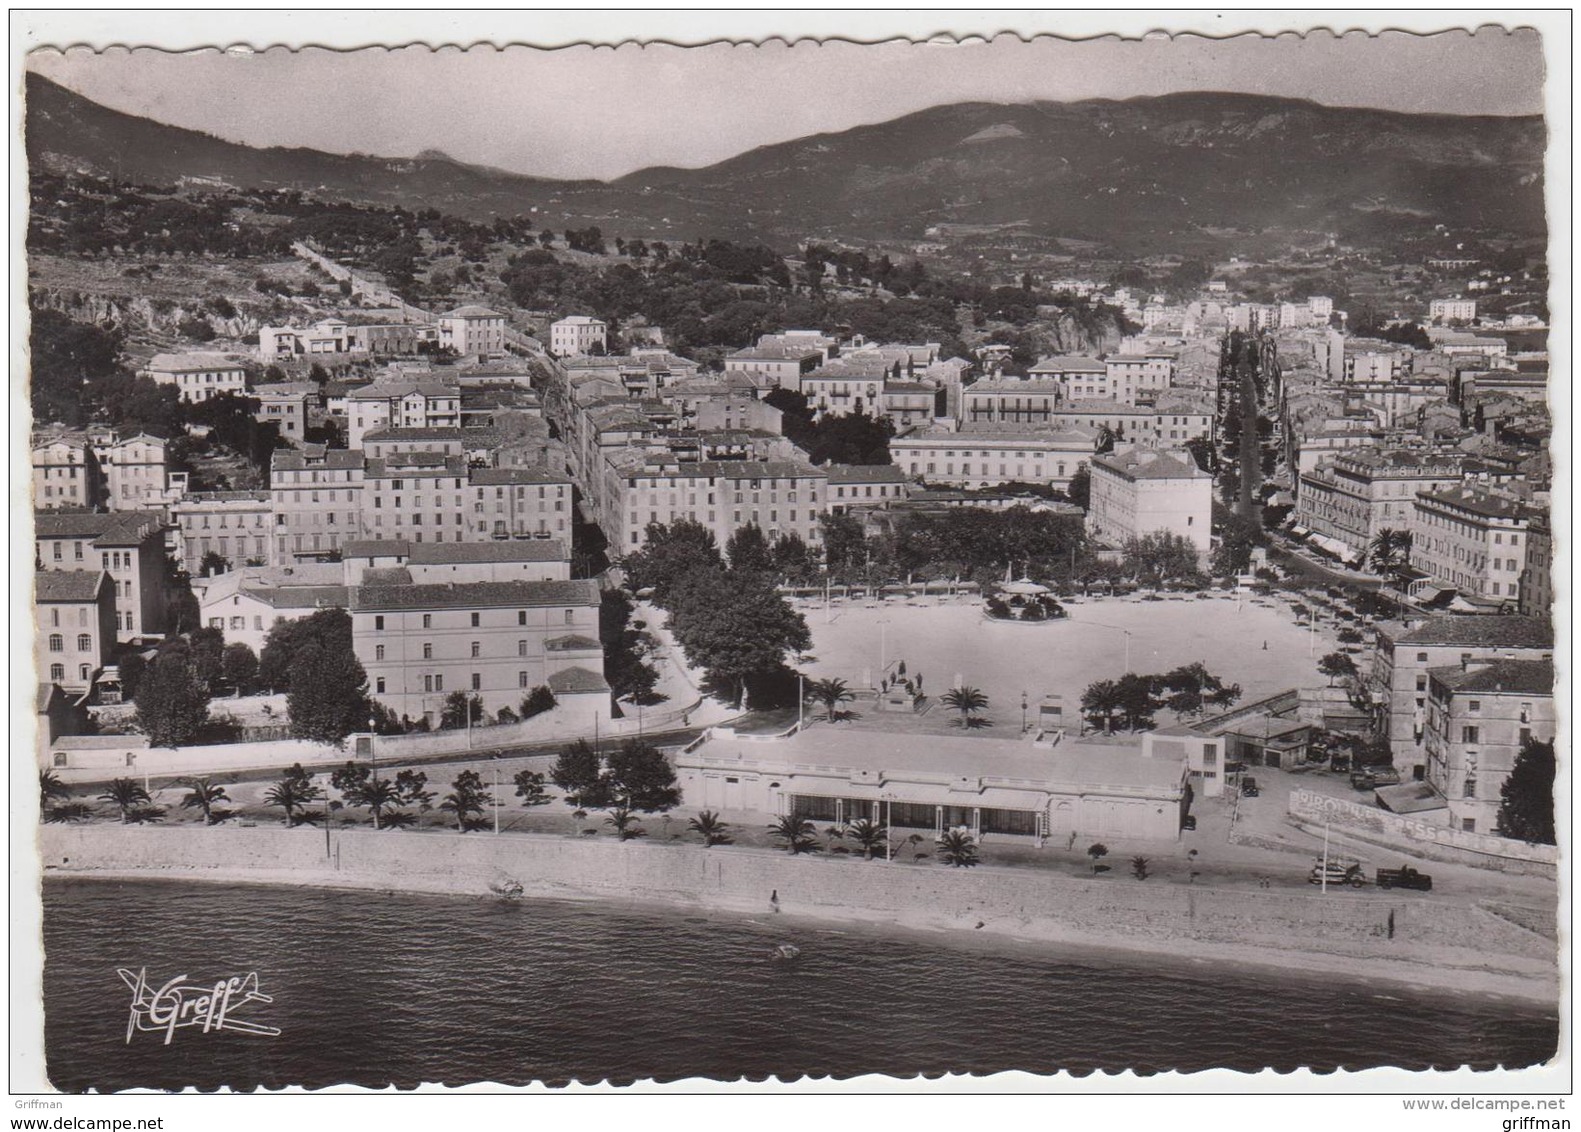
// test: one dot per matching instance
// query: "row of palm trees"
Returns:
(797, 834)
(831, 693)
(130, 798)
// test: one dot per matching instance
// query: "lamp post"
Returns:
(883, 643)
(1023, 713)
(373, 759)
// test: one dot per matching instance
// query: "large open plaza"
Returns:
(951, 642)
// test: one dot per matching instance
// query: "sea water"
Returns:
(374, 989)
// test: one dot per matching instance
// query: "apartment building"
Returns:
(782, 497)
(401, 402)
(1473, 540)
(420, 496)
(327, 336)
(1367, 360)
(519, 503)
(236, 525)
(1443, 311)
(778, 364)
(1011, 401)
(1140, 491)
(473, 331)
(74, 619)
(1407, 653)
(419, 642)
(1479, 715)
(197, 376)
(66, 472)
(1362, 491)
(861, 486)
(136, 471)
(1138, 379)
(1080, 377)
(286, 405)
(1150, 425)
(974, 458)
(128, 545)
(841, 388)
(249, 601)
(316, 495)
(1537, 582)
(578, 334)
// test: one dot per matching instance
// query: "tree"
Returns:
(710, 828)
(213, 563)
(239, 664)
(132, 667)
(328, 699)
(794, 559)
(1389, 553)
(736, 627)
(1100, 703)
(1526, 800)
(1079, 491)
(126, 795)
(207, 647)
(460, 709)
(957, 848)
(576, 772)
(202, 796)
(796, 832)
(1159, 558)
(1096, 852)
(831, 694)
(1337, 666)
(51, 789)
(670, 553)
(869, 835)
(1139, 868)
(1191, 686)
(1138, 700)
(172, 701)
(844, 543)
(292, 794)
(624, 823)
(529, 787)
(412, 785)
(539, 700)
(748, 550)
(467, 800)
(642, 778)
(968, 701)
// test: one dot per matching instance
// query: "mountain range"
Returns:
(1128, 174)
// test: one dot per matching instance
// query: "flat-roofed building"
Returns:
(1139, 491)
(998, 789)
(128, 545)
(198, 376)
(236, 525)
(529, 560)
(1479, 716)
(987, 457)
(1405, 654)
(419, 642)
(316, 495)
(74, 616)
(327, 336)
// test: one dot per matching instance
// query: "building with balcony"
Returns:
(987, 457)
(473, 331)
(1479, 716)
(236, 525)
(1473, 540)
(316, 495)
(1361, 491)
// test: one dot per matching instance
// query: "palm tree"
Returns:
(796, 832)
(869, 834)
(126, 795)
(623, 820)
(966, 700)
(379, 795)
(956, 847)
(50, 789)
(291, 794)
(831, 693)
(1390, 551)
(202, 796)
(1102, 701)
(713, 831)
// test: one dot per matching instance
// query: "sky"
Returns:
(602, 112)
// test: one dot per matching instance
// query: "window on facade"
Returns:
(428, 620)
(57, 672)
(378, 685)
(378, 652)
(474, 620)
(1468, 734)
(477, 681)
(378, 623)
(570, 616)
(57, 643)
(428, 650)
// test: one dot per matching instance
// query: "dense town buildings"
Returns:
(1471, 539)
(129, 546)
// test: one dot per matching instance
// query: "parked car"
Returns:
(1249, 788)
(1338, 872)
(1405, 877)
(1189, 822)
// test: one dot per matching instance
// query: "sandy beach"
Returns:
(1434, 970)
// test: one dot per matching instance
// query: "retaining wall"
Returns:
(689, 874)
(1309, 810)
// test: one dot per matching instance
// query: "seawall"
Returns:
(1434, 942)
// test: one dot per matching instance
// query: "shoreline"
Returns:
(1536, 987)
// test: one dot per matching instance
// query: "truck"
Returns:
(1337, 871)
(1405, 877)
(1374, 777)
